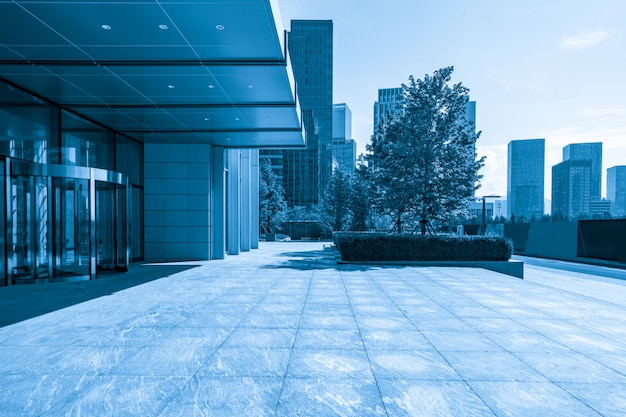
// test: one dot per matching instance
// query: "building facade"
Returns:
(525, 178)
(571, 188)
(344, 147)
(307, 172)
(115, 148)
(389, 102)
(616, 190)
(591, 152)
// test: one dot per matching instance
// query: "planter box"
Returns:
(511, 267)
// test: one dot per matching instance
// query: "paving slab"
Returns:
(286, 331)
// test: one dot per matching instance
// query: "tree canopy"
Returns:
(272, 205)
(422, 159)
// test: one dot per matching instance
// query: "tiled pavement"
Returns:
(285, 331)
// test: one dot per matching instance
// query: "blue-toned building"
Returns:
(588, 152)
(525, 178)
(130, 131)
(616, 189)
(307, 172)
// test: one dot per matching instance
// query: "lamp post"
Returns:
(483, 225)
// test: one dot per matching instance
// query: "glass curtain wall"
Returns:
(71, 193)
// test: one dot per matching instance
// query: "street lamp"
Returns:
(483, 225)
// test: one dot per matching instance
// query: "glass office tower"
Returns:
(307, 172)
(588, 152)
(525, 178)
(616, 189)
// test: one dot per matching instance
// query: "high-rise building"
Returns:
(342, 122)
(616, 189)
(525, 178)
(389, 103)
(592, 152)
(571, 188)
(344, 147)
(307, 172)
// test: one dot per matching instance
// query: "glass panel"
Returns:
(3, 253)
(41, 227)
(129, 159)
(105, 225)
(136, 225)
(21, 214)
(86, 144)
(71, 227)
(110, 225)
(120, 225)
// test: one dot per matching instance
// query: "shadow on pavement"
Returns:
(22, 302)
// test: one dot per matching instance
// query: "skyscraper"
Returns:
(389, 102)
(344, 147)
(525, 177)
(571, 188)
(307, 172)
(616, 189)
(592, 152)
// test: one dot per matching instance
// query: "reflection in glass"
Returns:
(71, 227)
(3, 252)
(21, 223)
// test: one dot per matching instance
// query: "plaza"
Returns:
(285, 331)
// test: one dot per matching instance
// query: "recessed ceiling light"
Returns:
(206, 119)
(170, 86)
(106, 27)
(211, 86)
(250, 85)
(267, 118)
(164, 27)
(227, 138)
(219, 27)
(237, 118)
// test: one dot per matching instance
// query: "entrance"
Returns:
(63, 223)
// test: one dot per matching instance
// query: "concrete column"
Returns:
(233, 203)
(254, 198)
(246, 208)
(218, 204)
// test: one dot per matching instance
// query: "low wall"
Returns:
(592, 239)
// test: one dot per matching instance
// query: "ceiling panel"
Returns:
(146, 67)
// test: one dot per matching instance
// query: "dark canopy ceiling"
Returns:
(161, 71)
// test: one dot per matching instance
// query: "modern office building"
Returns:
(616, 190)
(592, 152)
(571, 188)
(130, 130)
(525, 178)
(389, 103)
(307, 172)
(344, 147)
(600, 207)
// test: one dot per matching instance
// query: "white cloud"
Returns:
(585, 39)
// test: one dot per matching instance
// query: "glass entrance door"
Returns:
(110, 226)
(71, 227)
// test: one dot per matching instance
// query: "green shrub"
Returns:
(402, 247)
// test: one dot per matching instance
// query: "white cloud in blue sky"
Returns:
(537, 69)
(586, 39)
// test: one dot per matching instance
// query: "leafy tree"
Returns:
(272, 205)
(423, 162)
(361, 202)
(337, 201)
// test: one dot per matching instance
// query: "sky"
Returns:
(553, 69)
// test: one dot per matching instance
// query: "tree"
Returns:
(337, 201)
(272, 205)
(423, 160)
(361, 204)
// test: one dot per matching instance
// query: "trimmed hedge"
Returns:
(403, 247)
